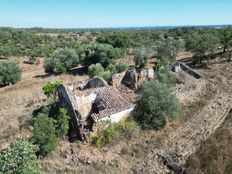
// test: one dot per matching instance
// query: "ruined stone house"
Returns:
(88, 107)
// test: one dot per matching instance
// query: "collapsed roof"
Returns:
(96, 104)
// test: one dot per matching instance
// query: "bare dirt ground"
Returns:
(199, 119)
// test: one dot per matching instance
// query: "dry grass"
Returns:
(17, 102)
(214, 156)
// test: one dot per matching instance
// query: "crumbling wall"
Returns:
(130, 79)
(96, 82)
(66, 101)
(177, 67)
(117, 78)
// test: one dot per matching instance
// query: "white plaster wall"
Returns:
(118, 116)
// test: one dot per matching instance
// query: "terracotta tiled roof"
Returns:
(115, 102)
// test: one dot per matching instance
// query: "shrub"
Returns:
(44, 133)
(98, 70)
(158, 104)
(62, 123)
(49, 88)
(61, 61)
(95, 70)
(117, 68)
(164, 76)
(164, 62)
(140, 58)
(20, 158)
(10, 73)
(115, 131)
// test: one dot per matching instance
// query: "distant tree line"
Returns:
(63, 53)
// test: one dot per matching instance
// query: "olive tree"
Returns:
(157, 106)
(61, 60)
(225, 36)
(140, 58)
(202, 45)
(98, 70)
(20, 158)
(10, 73)
(98, 53)
(168, 47)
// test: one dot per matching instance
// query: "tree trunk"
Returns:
(230, 54)
(224, 49)
(207, 64)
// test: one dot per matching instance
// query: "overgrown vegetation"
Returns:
(157, 106)
(51, 122)
(20, 158)
(163, 71)
(50, 87)
(10, 73)
(140, 58)
(115, 132)
(98, 70)
(62, 123)
(118, 67)
(44, 133)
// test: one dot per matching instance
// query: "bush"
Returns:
(95, 70)
(140, 58)
(164, 62)
(20, 158)
(98, 70)
(49, 88)
(115, 131)
(10, 73)
(117, 68)
(44, 133)
(61, 61)
(164, 76)
(62, 123)
(157, 105)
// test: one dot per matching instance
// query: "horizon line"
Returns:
(122, 27)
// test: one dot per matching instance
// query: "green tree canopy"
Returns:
(116, 39)
(61, 60)
(62, 123)
(168, 47)
(20, 158)
(140, 58)
(50, 87)
(98, 70)
(225, 36)
(98, 53)
(202, 45)
(157, 106)
(44, 133)
(10, 73)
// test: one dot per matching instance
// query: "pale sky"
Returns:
(113, 13)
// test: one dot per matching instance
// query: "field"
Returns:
(161, 137)
(200, 118)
